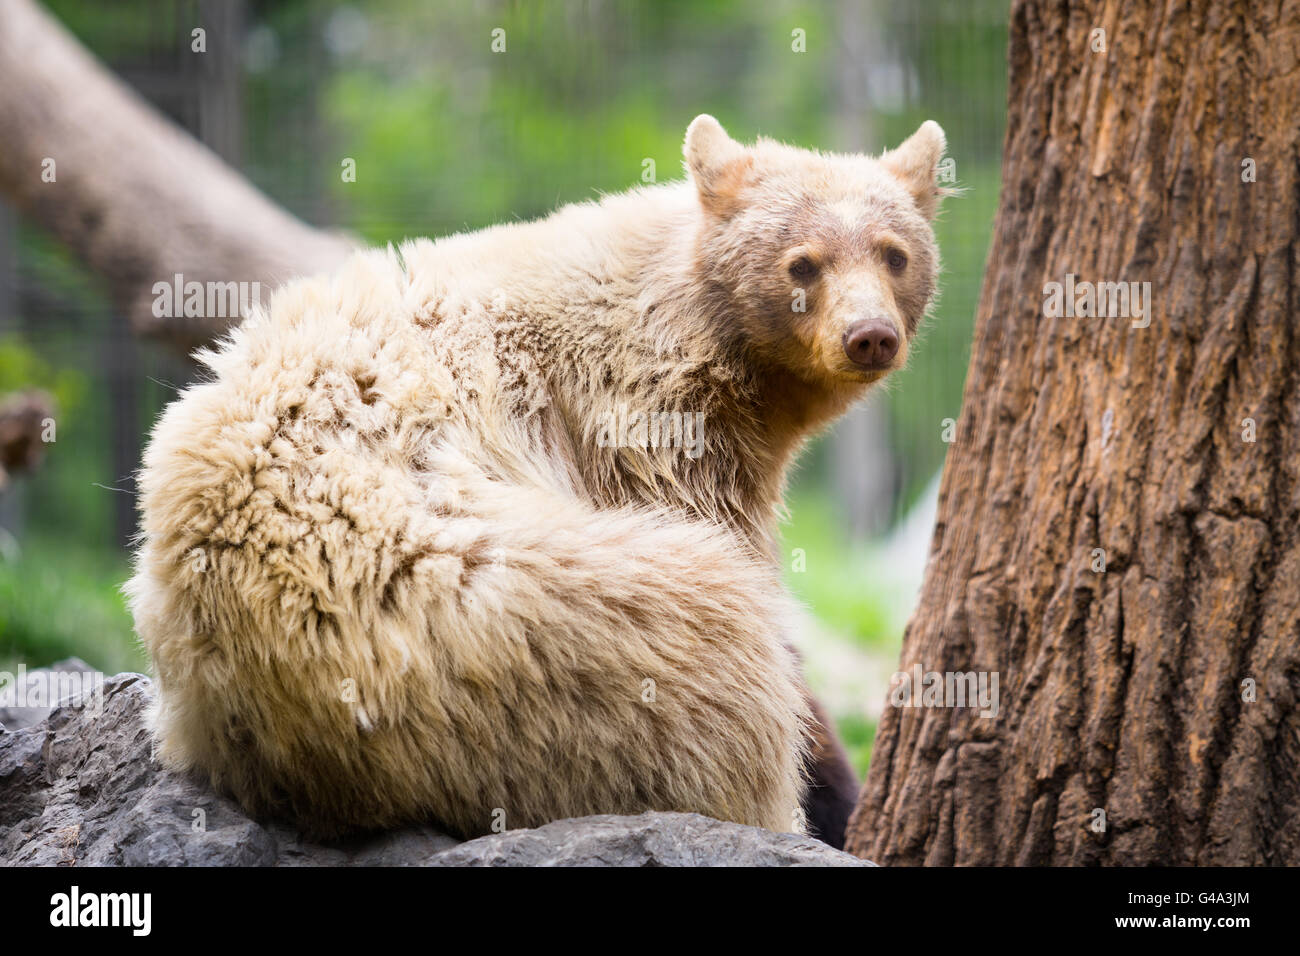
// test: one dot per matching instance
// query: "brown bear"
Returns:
(481, 530)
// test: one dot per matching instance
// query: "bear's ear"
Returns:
(719, 166)
(916, 163)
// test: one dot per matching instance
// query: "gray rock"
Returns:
(649, 839)
(82, 788)
(25, 688)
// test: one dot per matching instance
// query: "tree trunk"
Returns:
(134, 196)
(1148, 710)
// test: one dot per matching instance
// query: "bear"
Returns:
(481, 531)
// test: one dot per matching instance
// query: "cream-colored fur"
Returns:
(389, 570)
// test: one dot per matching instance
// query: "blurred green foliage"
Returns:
(857, 733)
(856, 592)
(831, 580)
(22, 368)
(62, 600)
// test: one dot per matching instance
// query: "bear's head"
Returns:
(828, 261)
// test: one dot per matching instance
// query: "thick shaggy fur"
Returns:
(389, 572)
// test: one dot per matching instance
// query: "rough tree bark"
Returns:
(135, 197)
(1126, 691)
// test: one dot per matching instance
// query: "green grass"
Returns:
(59, 601)
(853, 596)
(837, 584)
(858, 734)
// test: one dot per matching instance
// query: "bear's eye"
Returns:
(803, 268)
(897, 261)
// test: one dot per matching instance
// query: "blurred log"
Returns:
(22, 420)
(134, 196)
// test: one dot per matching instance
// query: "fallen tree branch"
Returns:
(22, 421)
(135, 197)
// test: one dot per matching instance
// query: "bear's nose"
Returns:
(871, 343)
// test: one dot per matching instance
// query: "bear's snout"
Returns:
(871, 343)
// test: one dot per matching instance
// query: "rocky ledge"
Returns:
(79, 787)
